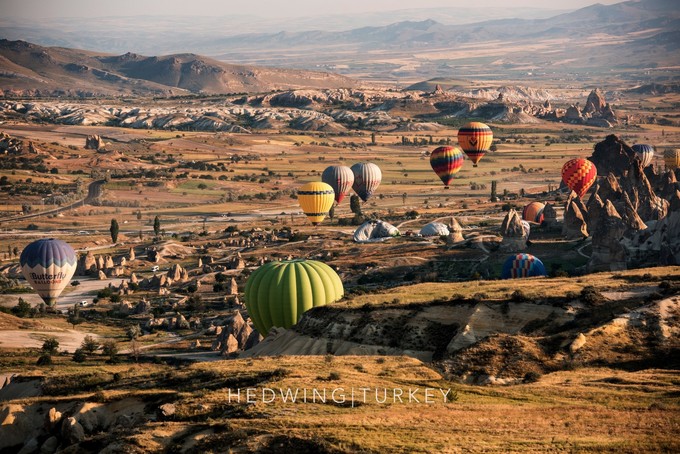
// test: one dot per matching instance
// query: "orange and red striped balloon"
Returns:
(579, 175)
(475, 139)
(446, 161)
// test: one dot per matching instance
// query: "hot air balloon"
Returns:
(671, 157)
(48, 265)
(316, 198)
(522, 265)
(367, 177)
(446, 161)
(533, 212)
(579, 175)
(340, 178)
(644, 152)
(278, 293)
(475, 139)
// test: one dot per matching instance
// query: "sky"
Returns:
(259, 8)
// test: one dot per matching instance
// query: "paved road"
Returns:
(85, 291)
(93, 191)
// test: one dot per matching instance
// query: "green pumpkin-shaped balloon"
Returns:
(278, 293)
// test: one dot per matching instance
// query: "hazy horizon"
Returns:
(269, 10)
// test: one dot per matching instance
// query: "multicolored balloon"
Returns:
(445, 162)
(671, 157)
(340, 178)
(533, 212)
(316, 199)
(475, 138)
(644, 152)
(522, 265)
(48, 265)
(367, 178)
(278, 293)
(579, 175)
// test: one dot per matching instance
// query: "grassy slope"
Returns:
(587, 410)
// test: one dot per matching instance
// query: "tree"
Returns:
(403, 198)
(74, 316)
(355, 204)
(50, 346)
(133, 332)
(114, 230)
(89, 344)
(110, 349)
(157, 226)
(331, 213)
(22, 309)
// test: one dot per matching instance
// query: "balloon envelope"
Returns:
(316, 199)
(579, 175)
(475, 138)
(533, 212)
(340, 178)
(48, 265)
(671, 157)
(278, 293)
(367, 177)
(522, 265)
(445, 162)
(644, 152)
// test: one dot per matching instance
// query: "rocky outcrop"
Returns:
(612, 155)
(87, 264)
(234, 335)
(514, 233)
(609, 254)
(455, 233)
(659, 243)
(549, 216)
(94, 142)
(575, 226)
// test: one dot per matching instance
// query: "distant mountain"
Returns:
(631, 34)
(27, 68)
(167, 34)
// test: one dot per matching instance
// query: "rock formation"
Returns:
(455, 232)
(549, 216)
(612, 156)
(609, 254)
(94, 142)
(513, 232)
(234, 335)
(575, 226)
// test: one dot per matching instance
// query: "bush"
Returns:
(79, 355)
(532, 377)
(44, 360)
(89, 344)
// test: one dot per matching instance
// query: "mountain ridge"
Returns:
(28, 67)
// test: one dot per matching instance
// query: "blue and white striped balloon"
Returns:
(644, 152)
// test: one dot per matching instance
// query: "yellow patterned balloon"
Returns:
(316, 199)
(671, 157)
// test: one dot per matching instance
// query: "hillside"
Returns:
(30, 69)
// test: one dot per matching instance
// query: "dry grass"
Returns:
(588, 410)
